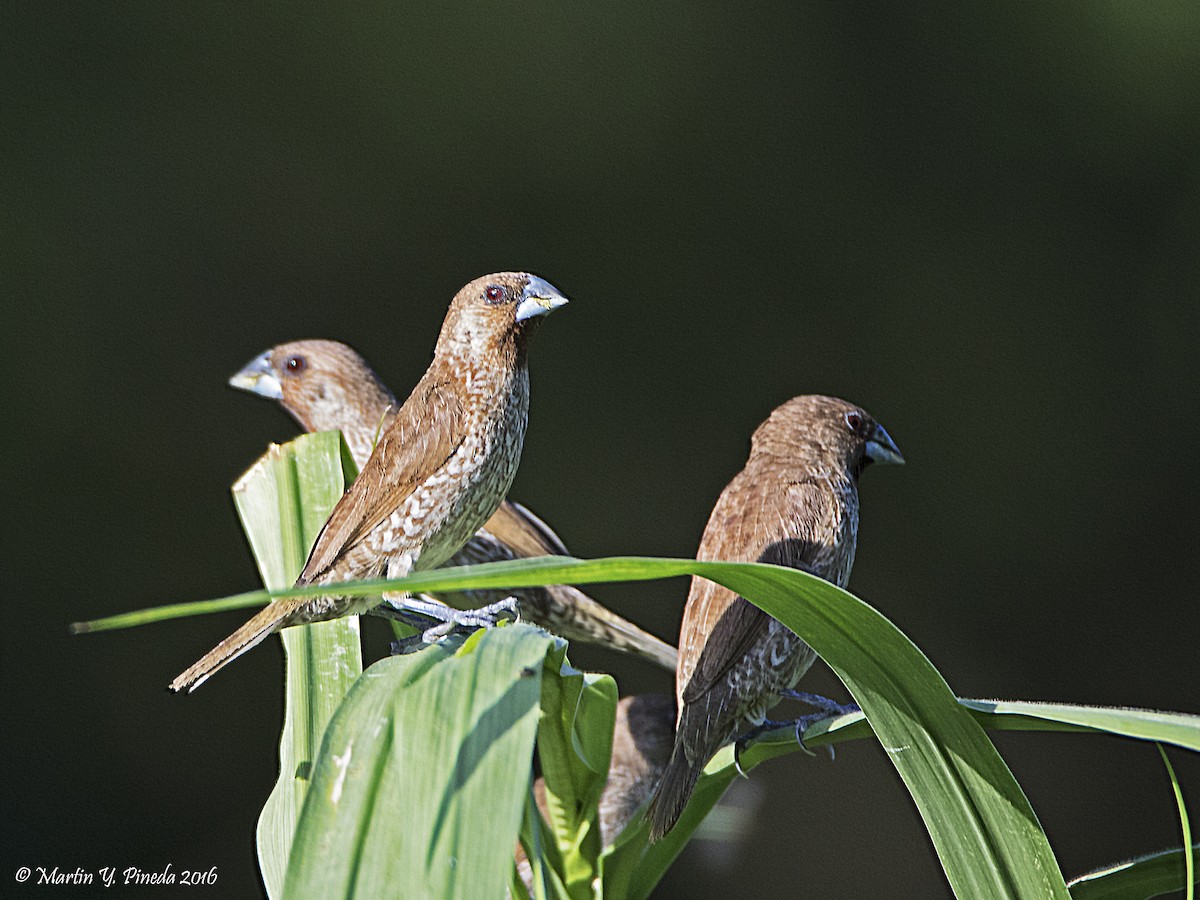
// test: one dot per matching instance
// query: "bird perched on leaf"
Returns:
(439, 470)
(327, 386)
(795, 503)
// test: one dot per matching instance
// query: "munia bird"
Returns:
(440, 468)
(795, 503)
(643, 735)
(327, 386)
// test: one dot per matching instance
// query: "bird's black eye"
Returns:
(295, 365)
(854, 422)
(493, 293)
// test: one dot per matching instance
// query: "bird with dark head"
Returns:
(795, 503)
(326, 386)
(439, 470)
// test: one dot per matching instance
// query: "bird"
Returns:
(643, 738)
(440, 468)
(327, 386)
(794, 503)
(643, 735)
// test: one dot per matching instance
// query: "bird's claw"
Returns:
(420, 612)
(743, 741)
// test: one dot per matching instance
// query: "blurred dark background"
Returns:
(981, 224)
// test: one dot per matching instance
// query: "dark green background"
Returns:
(982, 224)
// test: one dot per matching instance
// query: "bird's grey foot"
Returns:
(828, 708)
(435, 620)
(447, 621)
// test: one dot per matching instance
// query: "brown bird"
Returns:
(327, 386)
(795, 503)
(643, 735)
(441, 466)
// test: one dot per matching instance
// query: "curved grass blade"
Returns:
(421, 782)
(631, 868)
(1188, 858)
(1138, 879)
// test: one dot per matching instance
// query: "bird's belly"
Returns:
(781, 660)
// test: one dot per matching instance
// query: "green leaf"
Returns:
(1147, 876)
(1181, 729)
(574, 747)
(421, 782)
(631, 869)
(283, 501)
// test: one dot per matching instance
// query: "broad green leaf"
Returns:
(1138, 879)
(421, 782)
(574, 746)
(283, 501)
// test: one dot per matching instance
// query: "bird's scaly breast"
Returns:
(453, 503)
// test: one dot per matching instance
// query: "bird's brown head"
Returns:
(325, 385)
(496, 312)
(824, 434)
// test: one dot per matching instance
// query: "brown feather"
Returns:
(328, 386)
(417, 444)
(795, 503)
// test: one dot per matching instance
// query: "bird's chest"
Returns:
(456, 500)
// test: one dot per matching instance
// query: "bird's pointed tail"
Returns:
(674, 791)
(268, 620)
(595, 623)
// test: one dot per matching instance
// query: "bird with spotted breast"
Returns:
(795, 503)
(440, 468)
(327, 386)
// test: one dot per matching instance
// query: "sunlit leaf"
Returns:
(421, 782)
(283, 500)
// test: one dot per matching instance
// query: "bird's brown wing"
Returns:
(524, 532)
(744, 527)
(424, 434)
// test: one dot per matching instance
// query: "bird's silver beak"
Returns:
(539, 298)
(257, 377)
(882, 449)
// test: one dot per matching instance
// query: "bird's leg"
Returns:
(824, 705)
(435, 620)
(825, 708)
